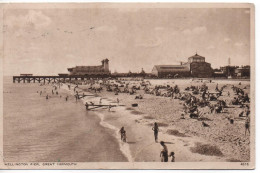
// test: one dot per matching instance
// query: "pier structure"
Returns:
(44, 79)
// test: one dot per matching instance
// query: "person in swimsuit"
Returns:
(156, 130)
(247, 125)
(164, 152)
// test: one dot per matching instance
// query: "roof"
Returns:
(171, 68)
(197, 56)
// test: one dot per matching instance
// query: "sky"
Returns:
(46, 41)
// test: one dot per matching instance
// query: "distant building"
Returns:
(199, 67)
(171, 70)
(243, 71)
(195, 67)
(91, 70)
(229, 71)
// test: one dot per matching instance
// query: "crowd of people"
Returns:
(193, 98)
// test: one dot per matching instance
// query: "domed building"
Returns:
(195, 67)
(198, 67)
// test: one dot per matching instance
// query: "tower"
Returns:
(105, 65)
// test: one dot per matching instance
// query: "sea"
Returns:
(36, 129)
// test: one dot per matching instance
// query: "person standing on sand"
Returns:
(47, 97)
(123, 134)
(247, 125)
(164, 152)
(156, 130)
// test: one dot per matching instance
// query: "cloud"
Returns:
(196, 30)
(239, 44)
(227, 39)
(211, 47)
(33, 19)
(149, 43)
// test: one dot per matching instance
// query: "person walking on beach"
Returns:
(156, 130)
(123, 134)
(47, 97)
(247, 125)
(164, 152)
(40, 93)
(67, 98)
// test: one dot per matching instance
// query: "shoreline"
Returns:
(124, 148)
(185, 137)
(224, 149)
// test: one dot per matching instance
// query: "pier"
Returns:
(44, 79)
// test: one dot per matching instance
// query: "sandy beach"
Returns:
(190, 141)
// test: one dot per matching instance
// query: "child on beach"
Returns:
(173, 157)
(156, 130)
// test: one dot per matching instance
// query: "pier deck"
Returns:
(44, 79)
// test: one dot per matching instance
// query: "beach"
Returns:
(221, 141)
(36, 129)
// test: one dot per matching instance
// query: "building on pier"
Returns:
(102, 70)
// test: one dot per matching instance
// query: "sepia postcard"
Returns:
(127, 86)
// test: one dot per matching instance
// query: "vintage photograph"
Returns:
(127, 86)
